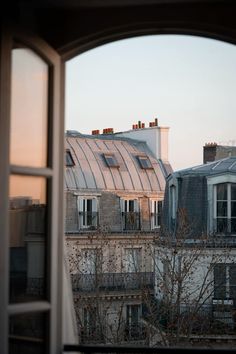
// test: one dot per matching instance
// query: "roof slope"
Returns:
(226, 165)
(91, 171)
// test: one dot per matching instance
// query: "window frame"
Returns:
(156, 215)
(82, 210)
(51, 306)
(212, 181)
(107, 156)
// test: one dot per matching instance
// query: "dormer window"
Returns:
(111, 160)
(225, 208)
(144, 162)
(69, 159)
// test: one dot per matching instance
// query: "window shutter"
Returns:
(122, 205)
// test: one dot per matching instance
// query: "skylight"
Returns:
(69, 159)
(111, 160)
(144, 162)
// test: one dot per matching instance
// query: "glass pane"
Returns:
(222, 225)
(27, 238)
(233, 208)
(221, 208)
(27, 334)
(233, 191)
(29, 107)
(222, 191)
(233, 226)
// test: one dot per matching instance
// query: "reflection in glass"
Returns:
(27, 334)
(222, 191)
(29, 101)
(27, 238)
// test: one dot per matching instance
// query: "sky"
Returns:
(188, 83)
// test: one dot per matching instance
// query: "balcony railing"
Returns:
(131, 221)
(88, 220)
(112, 281)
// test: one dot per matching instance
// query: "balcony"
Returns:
(130, 221)
(88, 220)
(112, 281)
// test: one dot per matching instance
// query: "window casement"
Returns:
(130, 214)
(172, 206)
(225, 281)
(132, 260)
(133, 322)
(69, 162)
(87, 212)
(156, 211)
(91, 330)
(225, 208)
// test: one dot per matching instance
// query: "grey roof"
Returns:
(226, 165)
(91, 171)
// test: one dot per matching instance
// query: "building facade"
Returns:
(195, 257)
(114, 188)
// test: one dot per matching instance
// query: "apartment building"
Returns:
(114, 188)
(197, 254)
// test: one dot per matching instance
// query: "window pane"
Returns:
(220, 281)
(27, 334)
(29, 109)
(233, 225)
(233, 209)
(233, 191)
(222, 225)
(222, 191)
(27, 238)
(221, 208)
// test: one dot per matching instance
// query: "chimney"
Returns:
(95, 132)
(209, 152)
(108, 131)
(156, 138)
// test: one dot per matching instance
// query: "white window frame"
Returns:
(82, 208)
(155, 213)
(212, 181)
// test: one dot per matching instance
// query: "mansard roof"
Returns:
(91, 171)
(226, 165)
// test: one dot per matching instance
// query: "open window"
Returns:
(88, 212)
(69, 159)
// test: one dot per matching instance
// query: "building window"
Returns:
(130, 214)
(225, 281)
(225, 208)
(91, 331)
(144, 162)
(69, 159)
(88, 214)
(111, 160)
(133, 323)
(156, 210)
(132, 260)
(172, 207)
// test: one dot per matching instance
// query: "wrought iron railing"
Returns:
(112, 281)
(131, 221)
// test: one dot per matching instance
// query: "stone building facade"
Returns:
(114, 188)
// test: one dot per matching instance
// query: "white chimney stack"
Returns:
(156, 138)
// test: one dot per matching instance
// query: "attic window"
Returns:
(111, 160)
(145, 162)
(69, 159)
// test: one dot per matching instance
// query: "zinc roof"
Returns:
(226, 165)
(90, 170)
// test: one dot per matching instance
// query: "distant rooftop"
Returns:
(226, 165)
